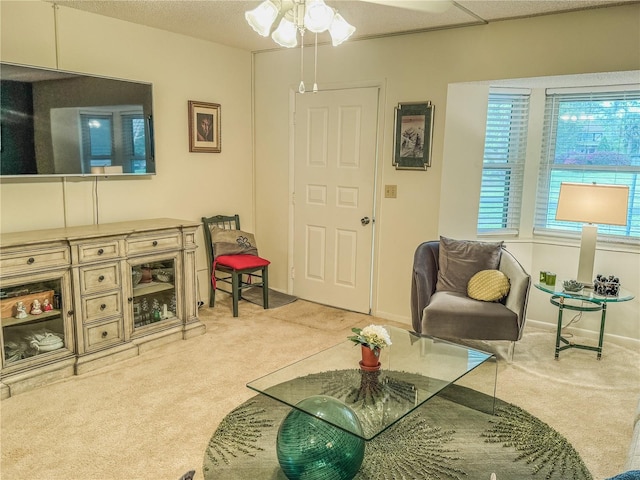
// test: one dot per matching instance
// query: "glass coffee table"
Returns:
(336, 406)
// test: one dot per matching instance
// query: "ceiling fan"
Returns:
(285, 20)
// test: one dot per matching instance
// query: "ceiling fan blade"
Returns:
(430, 6)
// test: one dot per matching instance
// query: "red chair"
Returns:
(240, 270)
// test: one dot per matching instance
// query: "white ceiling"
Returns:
(222, 21)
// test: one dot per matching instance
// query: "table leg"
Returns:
(559, 331)
(602, 320)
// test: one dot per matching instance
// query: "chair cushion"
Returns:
(242, 261)
(453, 315)
(488, 286)
(232, 242)
(459, 260)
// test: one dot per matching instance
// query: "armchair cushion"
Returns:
(459, 260)
(454, 315)
(488, 286)
(232, 242)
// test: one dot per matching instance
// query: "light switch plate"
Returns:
(390, 191)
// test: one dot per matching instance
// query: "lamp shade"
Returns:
(593, 203)
(286, 34)
(262, 17)
(318, 16)
(340, 30)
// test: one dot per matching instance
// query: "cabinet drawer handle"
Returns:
(101, 278)
(105, 334)
(31, 260)
(155, 243)
(100, 251)
(103, 306)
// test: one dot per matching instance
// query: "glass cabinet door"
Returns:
(33, 322)
(154, 292)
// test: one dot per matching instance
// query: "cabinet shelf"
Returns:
(152, 287)
(12, 321)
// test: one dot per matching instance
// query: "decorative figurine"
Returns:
(46, 305)
(21, 310)
(36, 309)
(155, 310)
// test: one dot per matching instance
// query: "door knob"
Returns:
(365, 221)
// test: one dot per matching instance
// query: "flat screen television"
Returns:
(56, 123)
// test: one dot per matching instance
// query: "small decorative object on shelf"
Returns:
(607, 286)
(36, 309)
(572, 286)
(46, 305)
(155, 309)
(146, 275)
(372, 339)
(21, 310)
(173, 305)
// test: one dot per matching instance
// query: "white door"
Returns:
(334, 171)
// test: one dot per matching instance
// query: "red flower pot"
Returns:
(370, 361)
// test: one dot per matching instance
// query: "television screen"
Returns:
(62, 123)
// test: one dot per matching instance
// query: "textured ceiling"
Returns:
(222, 21)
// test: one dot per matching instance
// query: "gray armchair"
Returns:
(453, 315)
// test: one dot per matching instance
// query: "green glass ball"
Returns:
(312, 449)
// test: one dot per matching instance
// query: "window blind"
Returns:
(503, 163)
(590, 137)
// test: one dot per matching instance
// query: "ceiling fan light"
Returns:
(340, 30)
(262, 17)
(318, 16)
(286, 34)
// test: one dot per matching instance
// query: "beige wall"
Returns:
(188, 185)
(421, 67)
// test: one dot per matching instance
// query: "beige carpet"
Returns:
(151, 417)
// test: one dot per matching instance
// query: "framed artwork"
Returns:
(413, 133)
(204, 127)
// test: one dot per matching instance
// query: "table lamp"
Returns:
(591, 204)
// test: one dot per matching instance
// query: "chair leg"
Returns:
(512, 348)
(235, 291)
(265, 287)
(212, 292)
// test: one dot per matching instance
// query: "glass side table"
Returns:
(585, 300)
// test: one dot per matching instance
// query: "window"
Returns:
(590, 137)
(503, 163)
(134, 142)
(97, 140)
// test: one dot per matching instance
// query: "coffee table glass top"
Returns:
(413, 370)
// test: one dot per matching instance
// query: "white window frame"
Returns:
(548, 184)
(505, 155)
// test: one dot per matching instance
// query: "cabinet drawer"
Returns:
(103, 334)
(99, 278)
(34, 260)
(104, 250)
(150, 244)
(102, 306)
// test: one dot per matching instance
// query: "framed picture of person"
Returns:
(204, 127)
(413, 134)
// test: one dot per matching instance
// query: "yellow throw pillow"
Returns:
(488, 286)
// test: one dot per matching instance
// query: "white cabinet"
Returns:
(115, 290)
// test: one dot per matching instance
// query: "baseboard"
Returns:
(631, 343)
